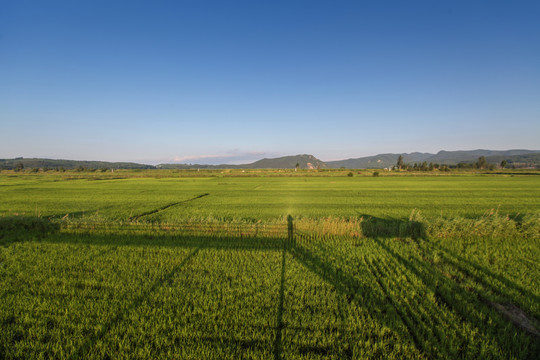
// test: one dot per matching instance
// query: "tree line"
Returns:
(481, 164)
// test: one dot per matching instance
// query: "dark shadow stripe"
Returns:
(81, 351)
(279, 323)
(376, 274)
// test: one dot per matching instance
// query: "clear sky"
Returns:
(235, 81)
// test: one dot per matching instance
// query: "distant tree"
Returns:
(482, 163)
(375, 173)
(350, 174)
(491, 167)
(424, 166)
(463, 165)
(20, 166)
(431, 166)
(504, 163)
(297, 166)
(400, 162)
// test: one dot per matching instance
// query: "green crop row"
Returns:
(149, 292)
(214, 268)
(176, 200)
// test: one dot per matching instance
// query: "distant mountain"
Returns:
(524, 160)
(286, 162)
(380, 161)
(30, 163)
(454, 157)
(196, 166)
(517, 158)
(521, 157)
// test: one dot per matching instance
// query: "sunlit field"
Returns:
(266, 198)
(228, 266)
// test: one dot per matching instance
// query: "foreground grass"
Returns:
(374, 268)
(390, 289)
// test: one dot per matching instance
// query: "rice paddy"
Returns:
(303, 267)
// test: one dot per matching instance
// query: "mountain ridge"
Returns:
(443, 157)
(518, 157)
(304, 161)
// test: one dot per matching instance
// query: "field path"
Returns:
(136, 217)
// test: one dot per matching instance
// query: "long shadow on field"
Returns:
(487, 277)
(378, 228)
(344, 284)
(19, 228)
(373, 227)
(471, 307)
(229, 243)
(81, 351)
(174, 241)
(512, 294)
(349, 288)
(278, 343)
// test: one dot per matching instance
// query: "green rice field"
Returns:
(231, 266)
(268, 198)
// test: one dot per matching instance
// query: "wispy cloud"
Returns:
(200, 157)
(230, 157)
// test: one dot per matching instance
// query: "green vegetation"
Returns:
(162, 264)
(515, 158)
(266, 196)
(21, 163)
(443, 160)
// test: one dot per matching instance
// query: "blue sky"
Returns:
(235, 81)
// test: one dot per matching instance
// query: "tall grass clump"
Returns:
(490, 225)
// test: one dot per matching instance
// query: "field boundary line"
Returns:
(136, 217)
